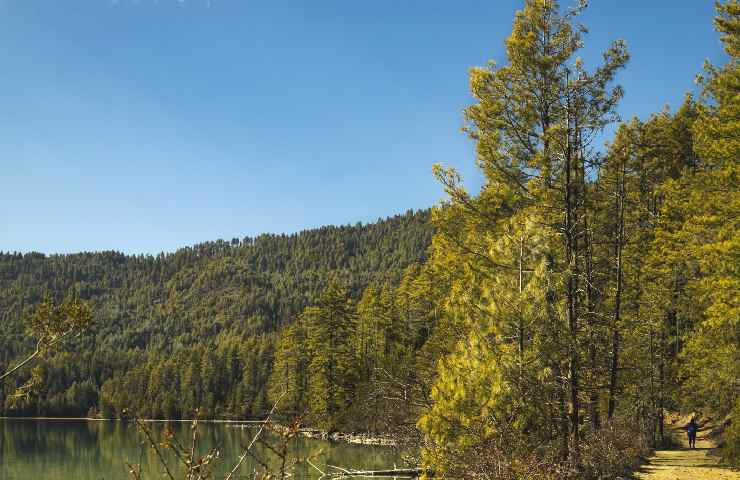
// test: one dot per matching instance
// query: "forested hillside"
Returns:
(203, 307)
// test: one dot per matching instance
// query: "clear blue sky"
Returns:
(146, 125)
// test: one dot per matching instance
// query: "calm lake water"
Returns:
(90, 450)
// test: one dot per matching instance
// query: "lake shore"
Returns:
(313, 433)
(76, 449)
(148, 420)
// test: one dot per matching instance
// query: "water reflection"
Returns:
(88, 450)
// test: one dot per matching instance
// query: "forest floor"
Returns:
(682, 463)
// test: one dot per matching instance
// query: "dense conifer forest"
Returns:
(543, 327)
(166, 324)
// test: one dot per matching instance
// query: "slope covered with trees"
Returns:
(195, 328)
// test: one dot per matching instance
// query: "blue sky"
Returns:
(143, 126)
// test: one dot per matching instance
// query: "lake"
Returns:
(95, 450)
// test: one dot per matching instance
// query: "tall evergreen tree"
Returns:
(289, 378)
(332, 376)
(702, 226)
(533, 123)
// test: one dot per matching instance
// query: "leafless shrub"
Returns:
(613, 450)
(201, 467)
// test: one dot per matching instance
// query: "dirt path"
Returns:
(685, 464)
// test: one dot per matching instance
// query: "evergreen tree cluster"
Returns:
(348, 364)
(169, 321)
(585, 293)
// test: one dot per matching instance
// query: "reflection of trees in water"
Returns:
(93, 450)
(25, 438)
(32, 449)
(62, 449)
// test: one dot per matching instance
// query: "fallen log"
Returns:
(391, 472)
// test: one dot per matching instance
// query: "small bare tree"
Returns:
(200, 467)
(51, 325)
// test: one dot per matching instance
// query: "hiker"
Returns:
(691, 430)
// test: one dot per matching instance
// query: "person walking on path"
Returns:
(691, 430)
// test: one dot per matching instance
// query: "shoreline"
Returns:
(363, 439)
(367, 439)
(148, 420)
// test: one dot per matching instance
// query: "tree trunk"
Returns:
(571, 251)
(563, 420)
(614, 367)
(593, 409)
(661, 388)
(652, 388)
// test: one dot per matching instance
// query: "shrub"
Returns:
(731, 448)
(613, 451)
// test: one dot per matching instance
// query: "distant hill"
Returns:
(197, 296)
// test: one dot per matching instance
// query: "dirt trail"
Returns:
(685, 464)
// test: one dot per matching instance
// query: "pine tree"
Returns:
(289, 378)
(533, 123)
(641, 291)
(496, 387)
(332, 368)
(703, 225)
(368, 340)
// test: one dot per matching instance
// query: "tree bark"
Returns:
(614, 367)
(571, 251)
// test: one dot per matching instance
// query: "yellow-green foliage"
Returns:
(510, 260)
(703, 227)
(731, 451)
(497, 381)
(289, 377)
(332, 362)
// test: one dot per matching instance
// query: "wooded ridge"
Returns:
(165, 322)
